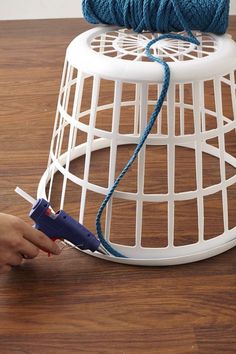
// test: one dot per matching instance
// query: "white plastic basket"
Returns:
(108, 68)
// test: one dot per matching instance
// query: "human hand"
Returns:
(19, 240)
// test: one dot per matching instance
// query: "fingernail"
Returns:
(60, 244)
(56, 248)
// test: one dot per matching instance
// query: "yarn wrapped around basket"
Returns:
(163, 16)
(159, 15)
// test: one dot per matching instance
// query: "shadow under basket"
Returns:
(177, 204)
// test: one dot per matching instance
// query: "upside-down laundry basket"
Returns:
(176, 204)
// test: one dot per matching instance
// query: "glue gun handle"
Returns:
(62, 225)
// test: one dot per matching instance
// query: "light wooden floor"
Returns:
(75, 303)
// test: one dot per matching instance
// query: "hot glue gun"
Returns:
(61, 225)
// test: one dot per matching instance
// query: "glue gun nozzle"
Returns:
(102, 250)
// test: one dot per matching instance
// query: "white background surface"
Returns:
(36, 9)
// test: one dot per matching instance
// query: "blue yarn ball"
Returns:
(160, 15)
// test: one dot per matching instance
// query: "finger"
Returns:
(5, 269)
(28, 250)
(15, 260)
(39, 239)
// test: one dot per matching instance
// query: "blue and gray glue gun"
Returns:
(61, 225)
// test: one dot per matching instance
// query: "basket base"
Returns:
(153, 257)
(167, 261)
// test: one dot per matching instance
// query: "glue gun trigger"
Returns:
(53, 239)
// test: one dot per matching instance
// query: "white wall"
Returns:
(32, 9)
(233, 7)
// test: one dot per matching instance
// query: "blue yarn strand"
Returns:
(155, 16)
(143, 138)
